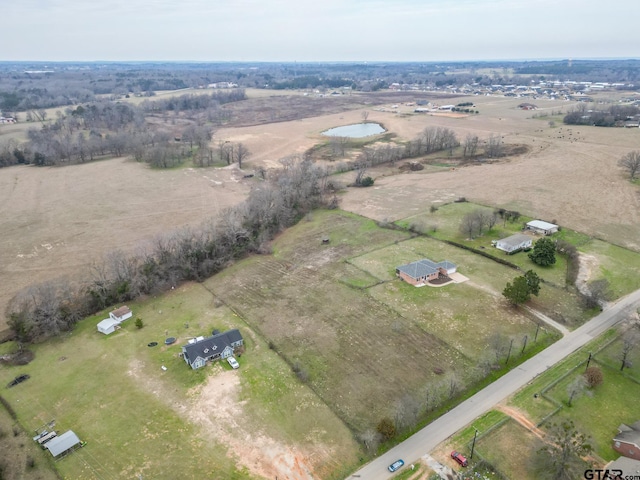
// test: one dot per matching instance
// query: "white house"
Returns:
(514, 243)
(543, 228)
(121, 314)
(107, 326)
(116, 317)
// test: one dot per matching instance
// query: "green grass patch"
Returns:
(512, 449)
(135, 416)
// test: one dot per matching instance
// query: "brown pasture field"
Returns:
(57, 221)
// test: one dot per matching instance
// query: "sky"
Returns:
(320, 30)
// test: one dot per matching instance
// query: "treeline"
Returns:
(431, 140)
(312, 81)
(48, 309)
(615, 115)
(105, 128)
(191, 102)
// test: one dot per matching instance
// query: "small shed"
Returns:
(108, 325)
(62, 443)
(542, 228)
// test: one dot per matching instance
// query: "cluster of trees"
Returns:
(612, 116)
(47, 309)
(106, 128)
(191, 102)
(474, 223)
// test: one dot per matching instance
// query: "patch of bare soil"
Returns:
(215, 406)
(522, 419)
(216, 409)
(587, 264)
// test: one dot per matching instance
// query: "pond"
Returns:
(357, 130)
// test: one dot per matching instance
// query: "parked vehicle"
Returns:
(396, 465)
(233, 362)
(458, 457)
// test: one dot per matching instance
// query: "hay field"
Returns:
(58, 221)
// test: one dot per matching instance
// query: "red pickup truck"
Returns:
(458, 457)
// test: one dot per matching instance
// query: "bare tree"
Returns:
(631, 163)
(576, 388)
(241, 154)
(365, 115)
(629, 343)
(371, 439)
(494, 147)
(470, 146)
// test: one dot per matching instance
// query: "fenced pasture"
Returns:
(358, 339)
(138, 419)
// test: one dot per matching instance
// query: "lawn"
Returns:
(512, 449)
(141, 420)
(599, 411)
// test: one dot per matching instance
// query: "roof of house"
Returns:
(119, 312)
(62, 443)
(629, 433)
(108, 323)
(629, 466)
(424, 267)
(515, 240)
(542, 225)
(205, 347)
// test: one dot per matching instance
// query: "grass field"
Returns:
(598, 412)
(337, 312)
(139, 419)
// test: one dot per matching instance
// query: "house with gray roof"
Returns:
(199, 351)
(422, 271)
(627, 442)
(514, 243)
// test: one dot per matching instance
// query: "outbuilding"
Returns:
(121, 314)
(542, 228)
(62, 444)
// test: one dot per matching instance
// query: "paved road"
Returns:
(439, 430)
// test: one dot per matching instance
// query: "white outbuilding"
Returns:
(542, 228)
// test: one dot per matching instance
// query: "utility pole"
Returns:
(473, 445)
(524, 344)
(536, 336)
(588, 361)
(509, 354)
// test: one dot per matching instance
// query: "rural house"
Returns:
(514, 243)
(423, 271)
(116, 317)
(121, 314)
(627, 442)
(201, 350)
(542, 228)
